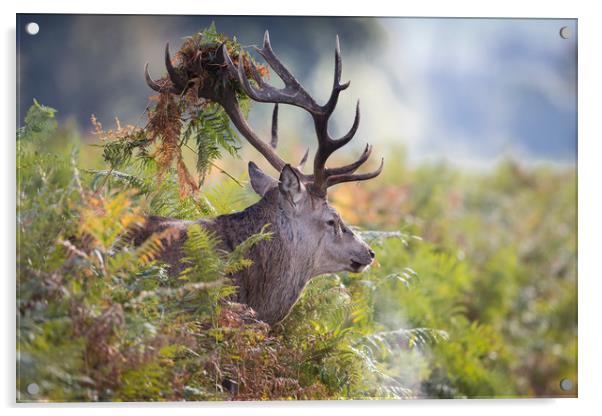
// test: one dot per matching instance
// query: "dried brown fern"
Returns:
(198, 63)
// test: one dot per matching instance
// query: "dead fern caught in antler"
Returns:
(178, 116)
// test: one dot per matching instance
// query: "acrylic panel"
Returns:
(208, 210)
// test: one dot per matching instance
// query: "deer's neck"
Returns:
(281, 267)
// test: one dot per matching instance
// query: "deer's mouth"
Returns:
(357, 267)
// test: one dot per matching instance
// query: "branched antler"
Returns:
(293, 94)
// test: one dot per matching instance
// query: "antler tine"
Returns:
(230, 104)
(231, 67)
(301, 164)
(268, 54)
(338, 143)
(156, 87)
(175, 78)
(356, 123)
(150, 81)
(292, 93)
(352, 167)
(233, 110)
(335, 179)
(274, 142)
(337, 87)
(239, 73)
(328, 146)
(246, 85)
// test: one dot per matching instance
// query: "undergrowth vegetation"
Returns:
(473, 295)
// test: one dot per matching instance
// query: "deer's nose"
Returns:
(372, 254)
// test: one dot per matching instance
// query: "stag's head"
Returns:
(300, 198)
(313, 222)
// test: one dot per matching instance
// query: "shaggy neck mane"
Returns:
(281, 266)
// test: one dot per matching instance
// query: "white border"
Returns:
(590, 206)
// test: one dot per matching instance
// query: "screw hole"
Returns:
(566, 384)
(565, 32)
(32, 28)
(33, 389)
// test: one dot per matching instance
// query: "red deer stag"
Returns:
(309, 236)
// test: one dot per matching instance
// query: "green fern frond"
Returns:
(151, 248)
(40, 123)
(377, 238)
(209, 128)
(242, 249)
(409, 338)
(201, 252)
(127, 179)
(227, 197)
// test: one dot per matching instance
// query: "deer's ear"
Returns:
(290, 185)
(260, 182)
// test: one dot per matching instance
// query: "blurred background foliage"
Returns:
(473, 294)
(468, 90)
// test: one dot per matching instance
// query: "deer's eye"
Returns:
(332, 223)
